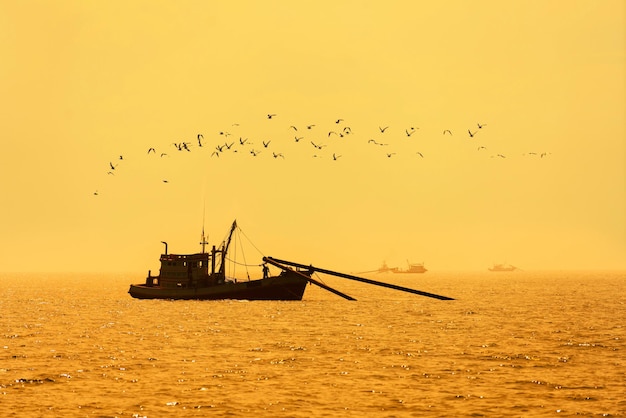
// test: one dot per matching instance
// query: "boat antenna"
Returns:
(204, 241)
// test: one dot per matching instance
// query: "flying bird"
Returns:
(318, 146)
(383, 129)
(471, 134)
(480, 126)
(151, 150)
(266, 144)
(448, 131)
(420, 154)
(270, 115)
(200, 138)
(335, 157)
(277, 155)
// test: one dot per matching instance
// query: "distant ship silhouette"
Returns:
(413, 268)
(503, 267)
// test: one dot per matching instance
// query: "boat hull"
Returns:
(411, 271)
(502, 267)
(287, 286)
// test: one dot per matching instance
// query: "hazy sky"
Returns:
(85, 82)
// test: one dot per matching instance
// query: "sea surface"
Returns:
(519, 344)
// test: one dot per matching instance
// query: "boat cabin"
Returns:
(183, 270)
(189, 270)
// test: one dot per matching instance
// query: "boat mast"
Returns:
(203, 242)
(225, 247)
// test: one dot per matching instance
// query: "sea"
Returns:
(510, 344)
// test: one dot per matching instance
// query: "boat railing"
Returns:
(191, 257)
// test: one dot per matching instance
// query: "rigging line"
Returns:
(243, 253)
(250, 241)
(242, 264)
(234, 237)
(319, 278)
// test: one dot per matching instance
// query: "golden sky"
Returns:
(85, 82)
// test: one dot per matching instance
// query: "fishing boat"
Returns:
(384, 268)
(502, 267)
(202, 276)
(413, 268)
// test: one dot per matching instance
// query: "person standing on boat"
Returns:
(266, 271)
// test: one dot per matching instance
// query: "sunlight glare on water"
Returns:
(510, 344)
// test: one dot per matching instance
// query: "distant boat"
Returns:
(503, 267)
(413, 268)
(384, 268)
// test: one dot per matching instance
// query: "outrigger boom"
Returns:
(283, 265)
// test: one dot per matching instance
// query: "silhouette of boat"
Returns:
(503, 267)
(202, 276)
(413, 268)
(384, 268)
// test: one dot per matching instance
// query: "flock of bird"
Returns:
(319, 142)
